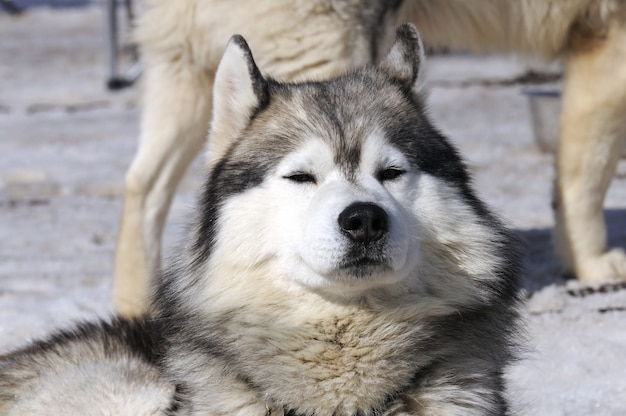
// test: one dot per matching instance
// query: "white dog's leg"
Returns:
(592, 132)
(174, 127)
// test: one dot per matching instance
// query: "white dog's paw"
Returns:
(608, 266)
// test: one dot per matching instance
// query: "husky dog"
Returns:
(181, 42)
(341, 264)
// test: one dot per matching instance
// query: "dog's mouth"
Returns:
(363, 268)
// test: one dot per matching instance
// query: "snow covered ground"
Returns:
(65, 143)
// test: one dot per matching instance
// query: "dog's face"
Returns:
(340, 186)
(346, 218)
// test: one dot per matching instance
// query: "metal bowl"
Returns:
(545, 110)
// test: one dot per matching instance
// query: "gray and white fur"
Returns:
(340, 264)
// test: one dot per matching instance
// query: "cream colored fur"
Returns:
(183, 40)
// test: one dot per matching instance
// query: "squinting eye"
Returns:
(301, 178)
(389, 174)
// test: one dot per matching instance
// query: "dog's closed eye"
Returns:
(301, 177)
(389, 174)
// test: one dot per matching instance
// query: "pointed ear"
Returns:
(406, 58)
(238, 90)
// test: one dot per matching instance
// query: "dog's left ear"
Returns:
(406, 58)
(239, 89)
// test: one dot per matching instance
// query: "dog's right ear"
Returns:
(239, 89)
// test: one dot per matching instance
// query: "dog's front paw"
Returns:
(608, 266)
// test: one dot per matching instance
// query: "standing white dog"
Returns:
(182, 41)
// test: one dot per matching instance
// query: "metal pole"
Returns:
(112, 21)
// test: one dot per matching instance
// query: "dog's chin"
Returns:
(349, 277)
(361, 270)
(356, 276)
(356, 279)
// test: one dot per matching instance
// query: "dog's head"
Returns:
(340, 186)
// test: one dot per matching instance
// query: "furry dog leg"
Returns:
(174, 127)
(592, 133)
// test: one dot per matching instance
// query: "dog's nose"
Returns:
(363, 222)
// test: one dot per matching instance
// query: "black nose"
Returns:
(363, 222)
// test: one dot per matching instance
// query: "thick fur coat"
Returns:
(340, 264)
